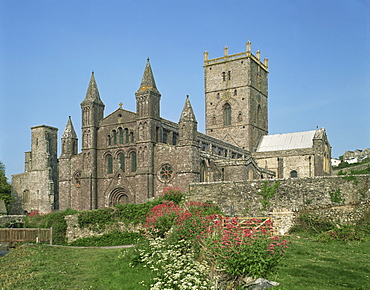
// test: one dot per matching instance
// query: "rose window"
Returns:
(166, 172)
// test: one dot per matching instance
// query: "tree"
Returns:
(5, 187)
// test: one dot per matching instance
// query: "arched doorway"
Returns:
(118, 195)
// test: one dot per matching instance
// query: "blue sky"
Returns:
(318, 51)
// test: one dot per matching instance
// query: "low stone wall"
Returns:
(341, 199)
(74, 231)
(348, 170)
(5, 219)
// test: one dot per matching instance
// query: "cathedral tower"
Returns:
(236, 91)
(148, 126)
(92, 112)
(69, 149)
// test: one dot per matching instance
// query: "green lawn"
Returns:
(307, 265)
(45, 267)
(336, 265)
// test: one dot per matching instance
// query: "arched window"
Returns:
(109, 164)
(109, 140)
(127, 136)
(227, 114)
(121, 157)
(120, 135)
(132, 139)
(114, 137)
(133, 162)
(164, 138)
(258, 117)
(203, 171)
(293, 174)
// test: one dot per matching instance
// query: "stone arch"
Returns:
(118, 195)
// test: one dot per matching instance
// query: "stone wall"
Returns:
(348, 170)
(338, 198)
(4, 219)
(74, 231)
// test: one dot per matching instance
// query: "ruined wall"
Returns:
(333, 195)
(74, 231)
(5, 219)
(348, 170)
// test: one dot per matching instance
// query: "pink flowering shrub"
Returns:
(238, 249)
(192, 225)
(160, 218)
(190, 222)
(248, 250)
(174, 194)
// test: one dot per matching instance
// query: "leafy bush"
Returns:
(54, 219)
(174, 194)
(175, 266)
(311, 224)
(96, 219)
(234, 250)
(267, 193)
(336, 196)
(134, 213)
(161, 218)
(114, 238)
(344, 233)
(247, 251)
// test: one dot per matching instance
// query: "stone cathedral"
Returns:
(129, 157)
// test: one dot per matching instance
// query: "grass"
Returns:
(309, 264)
(45, 267)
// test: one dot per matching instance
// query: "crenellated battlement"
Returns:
(246, 54)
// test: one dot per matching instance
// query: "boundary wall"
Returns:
(342, 199)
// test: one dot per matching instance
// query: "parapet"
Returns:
(241, 55)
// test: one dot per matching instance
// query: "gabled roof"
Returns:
(287, 141)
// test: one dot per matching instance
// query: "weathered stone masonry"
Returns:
(292, 196)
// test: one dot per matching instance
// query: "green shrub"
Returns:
(114, 238)
(336, 196)
(54, 219)
(134, 213)
(267, 193)
(351, 178)
(174, 194)
(344, 233)
(96, 219)
(312, 224)
(364, 223)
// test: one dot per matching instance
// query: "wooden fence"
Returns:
(248, 222)
(26, 235)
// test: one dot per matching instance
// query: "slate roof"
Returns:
(287, 141)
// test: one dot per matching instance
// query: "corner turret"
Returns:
(148, 96)
(92, 112)
(187, 125)
(69, 140)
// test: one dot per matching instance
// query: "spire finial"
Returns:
(148, 78)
